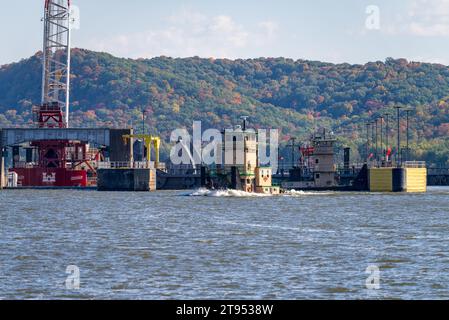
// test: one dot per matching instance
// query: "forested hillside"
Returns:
(293, 96)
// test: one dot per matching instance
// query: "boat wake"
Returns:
(229, 193)
(295, 193)
(226, 193)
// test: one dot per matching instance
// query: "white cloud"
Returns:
(424, 18)
(429, 9)
(190, 33)
(270, 28)
(419, 29)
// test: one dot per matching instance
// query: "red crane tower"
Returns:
(59, 163)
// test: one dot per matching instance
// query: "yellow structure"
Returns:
(416, 179)
(381, 179)
(406, 179)
(129, 175)
(149, 141)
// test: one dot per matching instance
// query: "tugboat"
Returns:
(318, 171)
(240, 168)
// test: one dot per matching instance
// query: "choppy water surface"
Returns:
(167, 245)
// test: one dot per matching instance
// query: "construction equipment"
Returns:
(54, 109)
(57, 160)
(149, 140)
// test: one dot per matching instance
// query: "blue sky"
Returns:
(326, 30)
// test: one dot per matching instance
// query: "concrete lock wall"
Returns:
(126, 180)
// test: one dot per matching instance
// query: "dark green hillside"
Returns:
(294, 96)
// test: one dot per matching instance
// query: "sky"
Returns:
(352, 31)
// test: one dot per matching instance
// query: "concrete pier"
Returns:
(126, 180)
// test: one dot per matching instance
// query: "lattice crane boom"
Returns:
(55, 104)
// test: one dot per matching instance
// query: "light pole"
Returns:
(377, 140)
(143, 120)
(408, 135)
(373, 139)
(293, 140)
(387, 130)
(398, 156)
(387, 135)
(382, 137)
(368, 146)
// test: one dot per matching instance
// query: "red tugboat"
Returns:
(56, 163)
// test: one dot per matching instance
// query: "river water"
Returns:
(223, 245)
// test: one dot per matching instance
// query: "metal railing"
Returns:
(129, 165)
(352, 166)
(124, 165)
(23, 165)
(182, 169)
(414, 164)
(438, 171)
